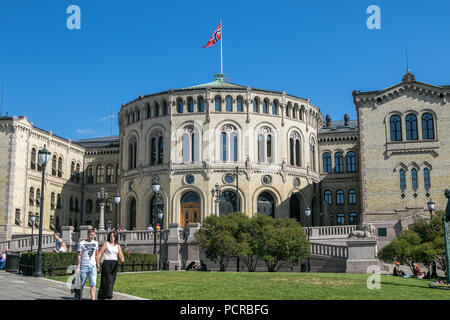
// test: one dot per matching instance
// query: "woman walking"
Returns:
(111, 251)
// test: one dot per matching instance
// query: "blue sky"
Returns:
(67, 81)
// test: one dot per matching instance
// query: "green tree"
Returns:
(422, 242)
(217, 240)
(283, 242)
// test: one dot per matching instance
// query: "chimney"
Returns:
(328, 119)
(346, 120)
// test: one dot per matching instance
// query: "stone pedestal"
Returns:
(193, 250)
(83, 232)
(66, 236)
(362, 253)
(173, 247)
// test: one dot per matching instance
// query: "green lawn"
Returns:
(168, 285)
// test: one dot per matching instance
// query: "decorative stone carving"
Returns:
(368, 231)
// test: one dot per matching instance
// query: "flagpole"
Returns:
(221, 44)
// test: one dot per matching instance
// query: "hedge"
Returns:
(56, 264)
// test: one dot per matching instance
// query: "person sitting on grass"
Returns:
(60, 246)
(418, 273)
(397, 272)
(3, 259)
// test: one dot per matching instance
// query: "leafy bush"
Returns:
(57, 263)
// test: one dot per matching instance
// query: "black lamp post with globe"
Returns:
(44, 157)
(156, 186)
(308, 214)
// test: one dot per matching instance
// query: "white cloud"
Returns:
(107, 118)
(84, 131)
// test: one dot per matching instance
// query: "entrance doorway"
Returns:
(190, 209)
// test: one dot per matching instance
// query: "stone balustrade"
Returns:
(24, 244)
(331, 232)
(329, 250)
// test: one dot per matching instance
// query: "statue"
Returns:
(368, 231)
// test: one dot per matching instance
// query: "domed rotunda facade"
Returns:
(258, 147)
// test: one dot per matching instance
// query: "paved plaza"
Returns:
(19, 287)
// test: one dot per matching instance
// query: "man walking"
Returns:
(88, 261)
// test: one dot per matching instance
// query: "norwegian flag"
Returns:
(216, 36)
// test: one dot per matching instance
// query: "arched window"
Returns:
(201, 104)
(295, 112)
(117, 174)
(77, 209)
(52, 201)
(72, 171)
(426, 178)
(229, 143)
(38, 197)
(338, 162)
(402, 180)
(288, 110)
(312, 155)
(60, 171)
(190, 145)
(132, 153)
(149, 111)
(228, 204)
(228, 103)
(411, 127)
(31, 200)
(33, 159)
(414, 179)
(239, 105)
(180, 105)
(340, 197)
(396, 128)
(166, 108)
(265, 145)
(190, 105)
(156, 147)
(89, 175)
(77, 173)
(351, 161)
(265, 106)
(100, 174)
(256, 105)
(302, 114)
(328, 197)
(352, 196)
(274, 108)
(266, 204)
(427, 126)
(340, 219)
(138, 115)
(218, 103)
(295, 149)
(110, 174)
(157, 111)
(352, 218)
(54, 160)
(326, 162)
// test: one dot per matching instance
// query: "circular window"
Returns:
(229, 178)
(189, 179)
(267, 180)
(296, 182)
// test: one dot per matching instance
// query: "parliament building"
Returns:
(269, 152)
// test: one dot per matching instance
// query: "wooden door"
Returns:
(190, 213)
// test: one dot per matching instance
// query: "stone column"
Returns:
(362, 253)
(101, 226)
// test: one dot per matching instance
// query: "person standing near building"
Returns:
(60, 246)
(111, 251)
(88, 261)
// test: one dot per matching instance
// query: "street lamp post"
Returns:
(102, 196)
(33, 219)
(117, 201)
(217, 193)
(447, 233)
(156, 186)
(160, 216)
(44, 157)
(308, 214)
